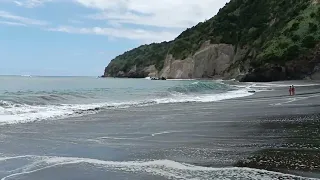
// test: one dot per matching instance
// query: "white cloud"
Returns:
(167, 17)
(73, 21)
(30, 3)
(134, 34)
(21, 20)
(12, 23)
(164, 13)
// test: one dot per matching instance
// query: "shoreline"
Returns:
(219, 78)
(299, 154)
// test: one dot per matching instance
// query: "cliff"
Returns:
(252, 40)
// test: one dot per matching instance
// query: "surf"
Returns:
(34, 104)
(162, 167)
(11, 113)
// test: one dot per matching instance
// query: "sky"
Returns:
(80, 37)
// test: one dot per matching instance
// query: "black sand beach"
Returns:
(268, 130)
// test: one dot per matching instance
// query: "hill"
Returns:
(253, 40)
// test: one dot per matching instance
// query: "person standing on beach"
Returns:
(293, 89)
(290, 90)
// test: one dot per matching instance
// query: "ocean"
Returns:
(28, 99)
(110, 128)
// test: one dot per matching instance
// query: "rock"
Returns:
(225, 61)
(120, 74)
(211, 60)
(151, 70)
(265, 74)
(316, 73)
(315, 76)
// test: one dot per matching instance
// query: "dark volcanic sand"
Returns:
(268, 130)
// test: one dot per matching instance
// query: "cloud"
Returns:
(133, 34)
(165, 13)
(143, 20)
(12, 23)
(21, 20)
(73, 21)
(30, 3)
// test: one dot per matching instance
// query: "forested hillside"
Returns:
(274, 31)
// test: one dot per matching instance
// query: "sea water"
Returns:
(110, 128)
(27, 99)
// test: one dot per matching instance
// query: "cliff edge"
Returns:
(248, 39)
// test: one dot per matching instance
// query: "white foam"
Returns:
(164, 132)
(205, 97)
(272, 85)
(180, 79)
(13, 113)
(166, 168)
(260, 87)
(28, 113)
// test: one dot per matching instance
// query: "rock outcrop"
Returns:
(135, 72)
(211, 60)
(303, 67)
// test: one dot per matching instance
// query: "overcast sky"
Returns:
(80, 37)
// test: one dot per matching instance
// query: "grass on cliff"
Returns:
(297, 37)
(143, 56)
(278, 30)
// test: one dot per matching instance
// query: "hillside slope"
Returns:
(253, 40)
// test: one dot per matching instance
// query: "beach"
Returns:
(267, 134)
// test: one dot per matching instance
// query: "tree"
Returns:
(309, 42)
(312, 27)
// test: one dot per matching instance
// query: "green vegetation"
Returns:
(278, 30)
(143, 56)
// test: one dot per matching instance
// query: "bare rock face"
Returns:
(136, 72)
(210, 60)
(177, 69)
(227, 62)
(316, 76)
(151, 71)
(303, 67)
(133, 71)
(120, 74)
(265, 74)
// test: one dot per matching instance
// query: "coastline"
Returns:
(209, 138)
(299, 153)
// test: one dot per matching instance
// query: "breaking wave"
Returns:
(29, 106)
(165, 168)
(200, 87)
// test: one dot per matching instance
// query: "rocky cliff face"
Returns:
(210, 61)
(248, 40)
(226, 61)
(301, 67)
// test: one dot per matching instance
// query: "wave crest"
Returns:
(165, 168)
(12, 113)
(200, 87)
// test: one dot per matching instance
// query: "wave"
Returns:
(47, 97)
(165, 168)
(200, 87)
(12, 113)
(267, 86)
(26, 75)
